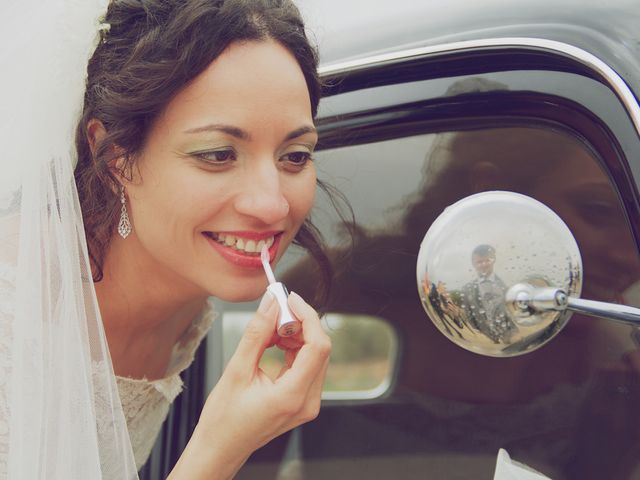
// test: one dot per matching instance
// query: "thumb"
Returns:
(256, 337)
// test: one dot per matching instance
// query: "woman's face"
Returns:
(590, 207)
(226, 169)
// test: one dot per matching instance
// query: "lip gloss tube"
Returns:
(288, 324)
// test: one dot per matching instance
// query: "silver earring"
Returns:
(124, 227)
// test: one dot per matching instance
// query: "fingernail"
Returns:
(296, 299)
(267, 300)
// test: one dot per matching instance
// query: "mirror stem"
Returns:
(612, 311)
(526, 300)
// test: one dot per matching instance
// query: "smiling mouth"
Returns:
(243, 245)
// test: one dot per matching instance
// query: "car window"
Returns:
(362, 361)
(450, 410)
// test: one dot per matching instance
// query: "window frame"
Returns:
(490, 109)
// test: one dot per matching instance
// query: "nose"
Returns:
(261, 195)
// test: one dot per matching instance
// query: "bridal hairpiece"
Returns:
(103, 29)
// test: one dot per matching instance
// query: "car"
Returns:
(424, 105)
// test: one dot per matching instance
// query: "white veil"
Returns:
(60, 414)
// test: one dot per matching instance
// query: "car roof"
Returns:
(357, 29)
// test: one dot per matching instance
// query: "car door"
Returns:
(402, 139)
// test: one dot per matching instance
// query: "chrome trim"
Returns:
(614, 81)
(610, 311)
(525, 300)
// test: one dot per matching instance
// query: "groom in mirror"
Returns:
(484, 298)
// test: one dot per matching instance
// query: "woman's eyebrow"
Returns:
(218, 127)
(243, 135)
(298, 132)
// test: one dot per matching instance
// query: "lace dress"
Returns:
(145, 403)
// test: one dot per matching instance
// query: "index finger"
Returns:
(313, 356)
(304, 312)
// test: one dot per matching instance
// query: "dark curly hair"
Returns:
(151, 51)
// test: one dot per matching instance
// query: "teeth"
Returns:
(242, 244)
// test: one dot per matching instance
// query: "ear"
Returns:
(95, 133)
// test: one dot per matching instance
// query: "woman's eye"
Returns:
(297, 159)
(217, 156)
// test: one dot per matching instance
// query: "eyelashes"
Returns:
(290, 161)
(216, 157)
(297, 159)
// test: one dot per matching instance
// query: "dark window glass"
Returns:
(567, 409)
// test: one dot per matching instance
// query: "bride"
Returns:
(193, 150)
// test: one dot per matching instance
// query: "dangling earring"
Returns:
(124, 227)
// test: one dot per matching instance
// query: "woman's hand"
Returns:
(247, 409)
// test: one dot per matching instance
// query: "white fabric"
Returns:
(146, 402)
(59, 405)
(507, 469)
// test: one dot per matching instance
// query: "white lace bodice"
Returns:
(146, 402)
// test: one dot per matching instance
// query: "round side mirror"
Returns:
(489, 270)
(499, 274)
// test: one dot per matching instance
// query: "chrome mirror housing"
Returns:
(499, 274)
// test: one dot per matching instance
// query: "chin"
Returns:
(245, 293)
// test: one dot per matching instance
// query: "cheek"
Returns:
(156, 220)
(300, 194)
(170, 203)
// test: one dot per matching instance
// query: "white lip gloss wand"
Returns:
(287, 323)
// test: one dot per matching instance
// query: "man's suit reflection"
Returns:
(484, 298)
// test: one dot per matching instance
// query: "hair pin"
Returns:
(103, 29)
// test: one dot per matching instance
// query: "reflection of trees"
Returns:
(456, 296)
(358, 339)
(361, 353)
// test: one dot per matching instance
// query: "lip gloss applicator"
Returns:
(287, 323)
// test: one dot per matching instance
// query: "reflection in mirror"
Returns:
(480, 247)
